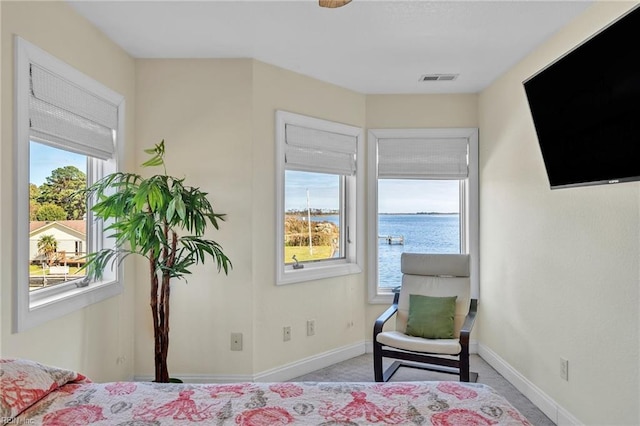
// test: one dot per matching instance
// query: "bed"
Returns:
(35, 394)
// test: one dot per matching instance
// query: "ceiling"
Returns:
(367, 46)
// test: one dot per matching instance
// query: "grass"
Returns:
(37, 270)
(302, 253)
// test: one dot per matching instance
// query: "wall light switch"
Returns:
(564, 369)
(311, 327)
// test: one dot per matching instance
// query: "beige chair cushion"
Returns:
(453, 265)
(399, 340)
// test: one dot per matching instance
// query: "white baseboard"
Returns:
(278, 374)
(540, 399)
(310, 364)
(473, 346)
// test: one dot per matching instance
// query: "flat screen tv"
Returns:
(586, 109)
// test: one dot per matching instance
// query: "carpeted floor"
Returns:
(360, 369)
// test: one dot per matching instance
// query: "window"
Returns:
(423, 196)
(57, 218)
(68, 129)
(319, 197)
(313, 220)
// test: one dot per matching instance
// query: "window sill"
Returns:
(288, 275)
(381, 299)
(46, 307)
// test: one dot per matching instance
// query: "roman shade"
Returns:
(320, 151)
(65, 116)
(418, 158)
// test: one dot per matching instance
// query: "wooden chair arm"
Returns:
(470, 319)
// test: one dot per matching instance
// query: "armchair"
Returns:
(437, 276)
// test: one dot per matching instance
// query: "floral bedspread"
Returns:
(79, 402)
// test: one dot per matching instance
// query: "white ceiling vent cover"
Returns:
(438, 77)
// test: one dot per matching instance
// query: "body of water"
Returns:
(422, 233)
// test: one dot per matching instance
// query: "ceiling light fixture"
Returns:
(332, 4)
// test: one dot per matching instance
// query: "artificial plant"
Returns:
(163, 220)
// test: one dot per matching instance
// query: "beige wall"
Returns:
(217, 117)
(202, 109)
(560, 269)
(421, 111)
(336, 304)
(92, 339)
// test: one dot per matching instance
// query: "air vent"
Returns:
(438, 77)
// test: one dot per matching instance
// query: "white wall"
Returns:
(560, 270)
(92, 339)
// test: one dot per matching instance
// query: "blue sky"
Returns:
(323, 191)
(412, 196)
(44, 159)
(394, 196)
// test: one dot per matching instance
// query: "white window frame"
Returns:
(469, 206)
(353, 260)
(31, 309)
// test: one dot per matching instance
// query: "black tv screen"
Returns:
(586, 109)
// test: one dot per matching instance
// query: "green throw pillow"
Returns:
(431, 317)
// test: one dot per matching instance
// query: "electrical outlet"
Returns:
(564, 369)
(236, 341)
(286, 334)
(311, 327)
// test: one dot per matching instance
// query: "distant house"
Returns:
(71, 236)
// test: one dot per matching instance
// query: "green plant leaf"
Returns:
(171, 210)
(180, 208)
(158, 153)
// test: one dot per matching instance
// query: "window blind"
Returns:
(319, 151)
(66, 116)
(444, 158)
